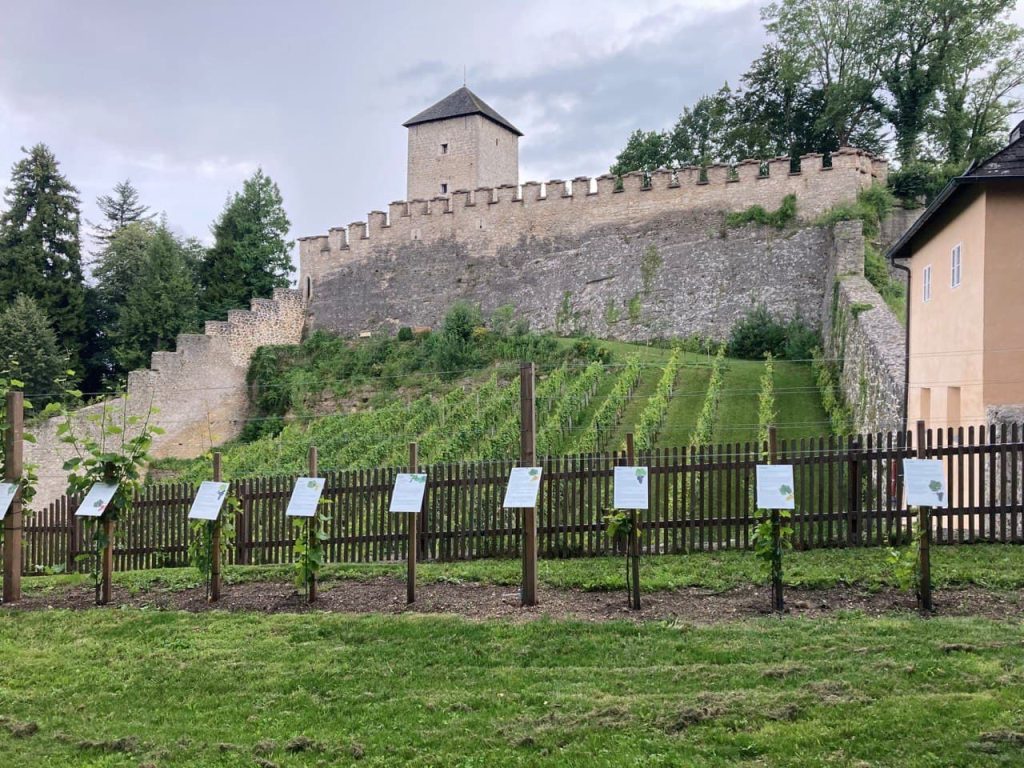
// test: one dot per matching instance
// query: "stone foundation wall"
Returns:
(863, 337)
(199, 390)
(681, 273)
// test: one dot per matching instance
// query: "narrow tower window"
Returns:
(444, 189)
(444, 149)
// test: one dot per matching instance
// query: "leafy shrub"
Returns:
(759, 333)
(756, 214)
(921, 181)
(587, 349)
(405, 333)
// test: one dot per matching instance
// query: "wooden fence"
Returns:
(848, 493)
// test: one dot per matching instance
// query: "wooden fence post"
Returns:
(527, 458)
(778, 602)
(633, 545)
(314, 459)
(13, 446)
(215, 540)
(924, 524)
(412, 524)
(243, 525)
(853, 493)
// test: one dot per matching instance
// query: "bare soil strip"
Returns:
(386, 595)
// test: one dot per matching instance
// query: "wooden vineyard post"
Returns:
(527, 458)
(778, 602)
(924, 524)
(215, 540)
(311, 524)
(412, 522)
(107, 561)
(12, 474)
(633, 545)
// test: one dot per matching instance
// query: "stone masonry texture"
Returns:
(633, 261)
(198, 391)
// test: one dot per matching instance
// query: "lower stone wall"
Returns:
(863, 337)
(675, 274)
(198, 391)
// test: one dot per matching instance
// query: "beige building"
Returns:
(460, 143)
(965, 257)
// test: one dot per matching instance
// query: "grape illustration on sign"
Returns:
(775, 486)
(925, 482)
(630, 488)
(97, 500)
(305, 497)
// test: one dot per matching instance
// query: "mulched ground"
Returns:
(386, 595)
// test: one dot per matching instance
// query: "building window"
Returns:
(954, 261)
(444, 189)
(309, 288)
(444, 149)
(927, 286)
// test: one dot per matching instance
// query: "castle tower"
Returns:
(460, 143)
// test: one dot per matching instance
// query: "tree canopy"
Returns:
(250, 256)
(932, 81)
(40, 251)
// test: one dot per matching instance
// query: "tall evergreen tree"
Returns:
(30, 350)
(250, 255)
(159, 304)
(40, 252)
(119, 210)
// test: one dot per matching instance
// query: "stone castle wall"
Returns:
(864, 337)
(199, 390)
(629, 263)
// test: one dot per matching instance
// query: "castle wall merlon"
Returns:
(607, 184)
(487, 218)
(531, 192)
(376, 221)
(337, 239)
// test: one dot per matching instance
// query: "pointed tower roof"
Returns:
(457, 104)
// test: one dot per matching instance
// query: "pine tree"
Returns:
(250, 256)
(160, 303)
(119, 210)
(40, 252)
(30, 351)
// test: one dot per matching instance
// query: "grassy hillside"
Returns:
(361, 403)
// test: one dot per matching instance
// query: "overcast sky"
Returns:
(187, 98)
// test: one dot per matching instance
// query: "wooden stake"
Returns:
(527, 458)
(411, 523)
(13, 446)
(215, 540)
(633, 545)
(313, 521)
(778, 601)
(107, 562)
(924, 523)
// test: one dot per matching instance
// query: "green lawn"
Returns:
(113, 688)
(995, 566)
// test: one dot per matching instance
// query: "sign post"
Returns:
(305, 503)
(521, 493)
(314, 460)
(527, 458)
(925, 483)
(206, 506)
(215, 579)
(775, 492)
(633, 544)
(95, 505)
(407, 497)
(12, 475)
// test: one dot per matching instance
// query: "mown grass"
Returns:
(994, 566)
(176, 690)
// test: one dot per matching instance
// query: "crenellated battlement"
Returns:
(488, 218)
(199, 389)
